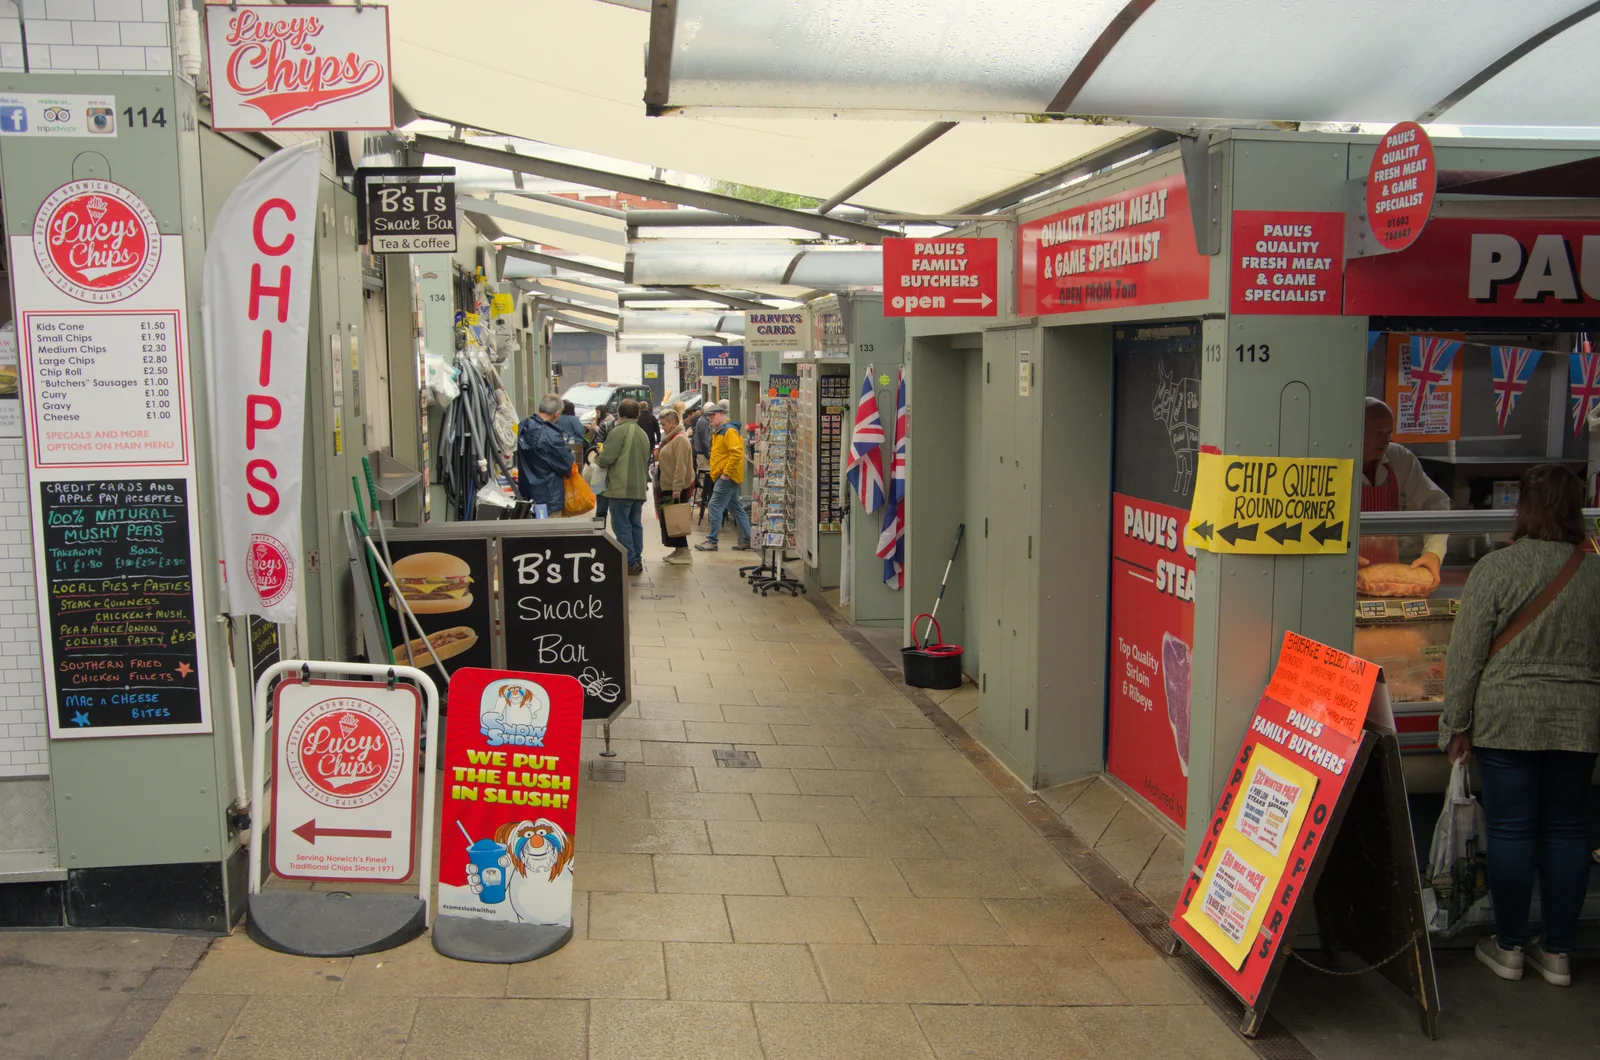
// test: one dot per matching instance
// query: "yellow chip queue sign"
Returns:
(1271, 505)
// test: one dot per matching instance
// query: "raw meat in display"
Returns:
(1175, 676)
(1393, 579)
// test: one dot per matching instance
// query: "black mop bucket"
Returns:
(936, 665)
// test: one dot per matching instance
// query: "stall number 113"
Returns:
(1251, 354)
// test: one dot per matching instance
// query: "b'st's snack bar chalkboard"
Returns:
(121, 604)
(565, 614)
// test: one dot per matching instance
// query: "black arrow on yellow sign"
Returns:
(1323, 533)
(1203, 530)
(1285, 532)
(1233, 532)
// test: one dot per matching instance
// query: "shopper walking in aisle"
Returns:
(1522, 692)
(727, 473)
(650, 426)
(626, 458)
(700, 430)
(569, 423)
(543, 459)
(674, 481)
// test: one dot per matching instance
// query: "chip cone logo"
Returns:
(96, 240)
(345, 753)
(270, 568)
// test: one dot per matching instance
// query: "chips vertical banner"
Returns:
(257, 313)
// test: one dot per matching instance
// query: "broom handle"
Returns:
(961, 530)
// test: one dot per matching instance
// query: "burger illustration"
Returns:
(433, 583)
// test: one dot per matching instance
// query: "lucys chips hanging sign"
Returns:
(309, 68)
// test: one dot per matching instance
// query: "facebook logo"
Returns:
(14, 119)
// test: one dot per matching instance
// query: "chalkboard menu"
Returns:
(566, 613)
(121, 604)
(1158, 412)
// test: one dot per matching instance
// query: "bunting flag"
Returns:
(892, 541)
(865, 468)
(1584, 378)
(1431, 358)
(1512, 367)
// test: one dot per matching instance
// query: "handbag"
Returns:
(595, 476)
(678, 518)
(580, 498)
(1537, 605)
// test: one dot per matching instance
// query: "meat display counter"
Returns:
(1409, 634)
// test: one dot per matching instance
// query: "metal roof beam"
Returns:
(877, 172)
(653, 189)
(575, 297)
(1108, 39)
(1488, 73)
(541, 220)
(693, 294)
(1140, 143)
(577, 322)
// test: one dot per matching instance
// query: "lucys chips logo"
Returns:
(271, 572)
(345, 753)
(96, 240)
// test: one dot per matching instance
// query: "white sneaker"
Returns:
(1555, 967)
(678, 556)
(1507, 964)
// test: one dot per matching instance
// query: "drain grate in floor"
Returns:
(615, 772)
(736, 759)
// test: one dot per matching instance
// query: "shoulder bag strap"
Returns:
(1536, 607)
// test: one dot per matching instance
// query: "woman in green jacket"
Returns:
(1530, 712)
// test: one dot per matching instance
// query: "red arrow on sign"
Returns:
(309, 832)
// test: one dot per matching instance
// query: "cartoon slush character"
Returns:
(514, 712)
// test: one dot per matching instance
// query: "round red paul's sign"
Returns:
(1401, 183)
(96, 240)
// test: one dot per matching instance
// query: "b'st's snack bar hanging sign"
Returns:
(1134, 248)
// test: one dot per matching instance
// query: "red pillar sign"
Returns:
(944, 277)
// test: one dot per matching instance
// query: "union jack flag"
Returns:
(1512, 367)
(892, 541)
(1584, 377)
(1431, 358)
(865, 469)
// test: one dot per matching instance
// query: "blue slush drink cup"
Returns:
(485, 855)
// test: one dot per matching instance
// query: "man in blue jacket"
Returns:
(543, 459)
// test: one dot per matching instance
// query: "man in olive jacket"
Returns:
(626, 458)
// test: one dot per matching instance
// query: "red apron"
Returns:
(1384, 498)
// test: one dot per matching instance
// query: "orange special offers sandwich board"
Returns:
(1319, 749)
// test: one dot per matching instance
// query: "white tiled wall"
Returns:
(22, 719)
(86, 36)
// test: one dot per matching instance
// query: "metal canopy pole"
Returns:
(877, 172)
(1141, 143)
(472, 204)
(653, 189)
(693, 294)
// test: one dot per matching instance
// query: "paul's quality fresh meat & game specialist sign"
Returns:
(1287, 263)
(1134, 248)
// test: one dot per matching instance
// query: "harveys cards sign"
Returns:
(311, 68)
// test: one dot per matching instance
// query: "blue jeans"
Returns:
(1536, 807)
(723, 494)
(627, 523)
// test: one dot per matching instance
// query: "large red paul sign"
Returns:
(943, 277)
(1135, 248)
(96, 240)
(1464, 266)
(312, 68)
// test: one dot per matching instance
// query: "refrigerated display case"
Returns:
(1409, 636)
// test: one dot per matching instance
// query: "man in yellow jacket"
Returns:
(727, 472)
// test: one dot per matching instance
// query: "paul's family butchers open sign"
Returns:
(411, 218)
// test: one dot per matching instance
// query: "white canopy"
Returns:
(1468, 62)
(571, 72)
